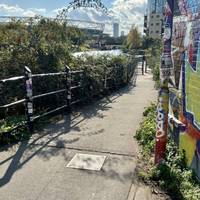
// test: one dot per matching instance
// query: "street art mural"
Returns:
(186, 56)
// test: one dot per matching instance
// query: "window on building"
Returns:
(157, 31)
(151, 24)
(151, 32)
(158, 16)
(157, 24)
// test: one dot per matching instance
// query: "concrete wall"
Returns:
(185, 102)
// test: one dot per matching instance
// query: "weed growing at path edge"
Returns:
(173, 176)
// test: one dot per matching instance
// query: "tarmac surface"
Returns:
(37, 169)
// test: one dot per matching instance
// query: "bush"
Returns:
(47, 46)
(153, 50)
(147, 131)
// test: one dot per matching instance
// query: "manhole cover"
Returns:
(86, 161)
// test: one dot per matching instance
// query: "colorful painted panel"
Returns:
(191, 91)
(190, 8)
(186, 54)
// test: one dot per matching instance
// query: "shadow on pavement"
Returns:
(29, 149)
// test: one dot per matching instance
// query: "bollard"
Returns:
(146, 66)
(29, 95)
(68, 86)
(143, 65)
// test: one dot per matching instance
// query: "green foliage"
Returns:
(96, 69)
(153, 60)
(172, 175)
(147, 131)
(149, 42)
(175, 177)
(133, 40)
(153, 50)
(47, 46)
(113, 68)
(44, 46)
(8, 124)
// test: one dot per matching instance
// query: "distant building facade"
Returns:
(116, 30)
(153, 20)
(156, 6)
(155, 25)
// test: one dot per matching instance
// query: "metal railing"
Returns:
(69, 89)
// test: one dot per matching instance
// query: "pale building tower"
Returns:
(116, 30)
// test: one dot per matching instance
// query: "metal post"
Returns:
(146, 66)
(105, 78)
(29, 95)
(2, 99)
(69, 94)
(142, 66)
(127, 72)
(166, 72)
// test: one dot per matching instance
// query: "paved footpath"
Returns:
(37, 169)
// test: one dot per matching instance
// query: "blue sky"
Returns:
(48, 4)
(126, 12)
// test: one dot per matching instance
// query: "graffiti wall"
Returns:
(185, 102)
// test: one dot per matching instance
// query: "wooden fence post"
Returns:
(29, 95)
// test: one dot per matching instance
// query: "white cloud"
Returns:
(126, 12)
(10, 9)
(28, 13)
(39, 10)
(129, 12)
(13, 10)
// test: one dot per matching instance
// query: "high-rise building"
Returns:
(155, 18)
(116, 30)
(155, 25)
(122, 33)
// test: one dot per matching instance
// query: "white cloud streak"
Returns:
(17, 10)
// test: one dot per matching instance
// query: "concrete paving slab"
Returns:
(144, 193)
(112, 182)
(87, 161)
(46, 177)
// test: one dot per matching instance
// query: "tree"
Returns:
(149, 42)
(133, 40)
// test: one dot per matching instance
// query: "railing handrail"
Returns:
(16, 78)
(30, 97)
